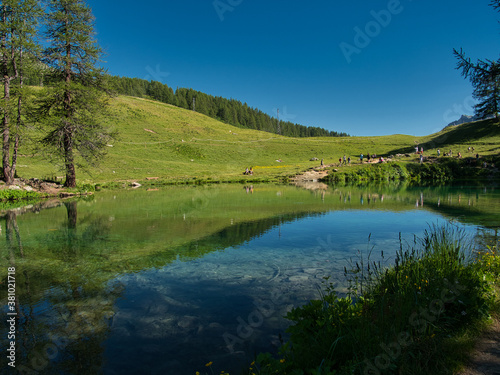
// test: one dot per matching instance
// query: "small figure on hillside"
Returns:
(421, 158)
(450, 153)
(251, 170)
(361, 158)
(468, 149)
(439, 152)
(344, 160)
(368, 157)
(477, 156)
(472, 149)
(349, 160)
(322, 163)
(421, 150)
(340, 162)
(246, 171)
(459, 155)
(416, 149)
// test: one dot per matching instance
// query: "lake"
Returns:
(163, 281)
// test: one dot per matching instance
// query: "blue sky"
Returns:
(309, 59)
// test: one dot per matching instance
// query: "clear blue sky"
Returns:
(308, 58)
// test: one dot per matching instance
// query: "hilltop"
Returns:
(170, 143)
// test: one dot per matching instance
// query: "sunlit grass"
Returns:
(174, 144)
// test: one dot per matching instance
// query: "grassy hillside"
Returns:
(484, 136)
(160, 140)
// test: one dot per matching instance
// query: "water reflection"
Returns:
(178, 277)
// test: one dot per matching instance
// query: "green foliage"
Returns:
(445, 169)
(14, 195)
(373, 172)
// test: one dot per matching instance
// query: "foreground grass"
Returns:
(178, 145)
(420, 316)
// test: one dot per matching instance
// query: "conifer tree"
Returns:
(18, 46)
(485, 78)
(71, 109)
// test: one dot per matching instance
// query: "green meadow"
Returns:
(177, 145)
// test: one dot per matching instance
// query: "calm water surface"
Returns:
(164, 281)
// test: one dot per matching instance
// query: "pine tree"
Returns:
(71, 109)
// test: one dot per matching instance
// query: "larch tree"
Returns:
(71, 109)
(19, 21)
(484, 76)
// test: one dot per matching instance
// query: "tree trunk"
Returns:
(68, 131)
(5, 121)
(6, 135)
(69, 160)
(19, 116)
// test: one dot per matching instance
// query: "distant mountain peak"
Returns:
(465, 119)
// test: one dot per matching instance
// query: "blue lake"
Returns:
(165, 281)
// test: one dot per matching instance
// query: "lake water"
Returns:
(165, 281)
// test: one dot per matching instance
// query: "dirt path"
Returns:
(310, 180)
(485, 359)
(314, 174)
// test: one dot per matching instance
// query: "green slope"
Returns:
(160, 140)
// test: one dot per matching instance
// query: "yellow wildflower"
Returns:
(209, 364)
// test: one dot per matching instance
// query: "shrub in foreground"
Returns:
(401, 320)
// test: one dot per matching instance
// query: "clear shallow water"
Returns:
(163, 282)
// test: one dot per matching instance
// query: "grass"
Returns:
(419, 316)
(178, 145)
(15, 195)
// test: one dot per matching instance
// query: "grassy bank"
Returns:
(419, 316)
(10, 199)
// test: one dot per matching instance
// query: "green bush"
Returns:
(445, 169)
(13, 195)
(406, 319)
